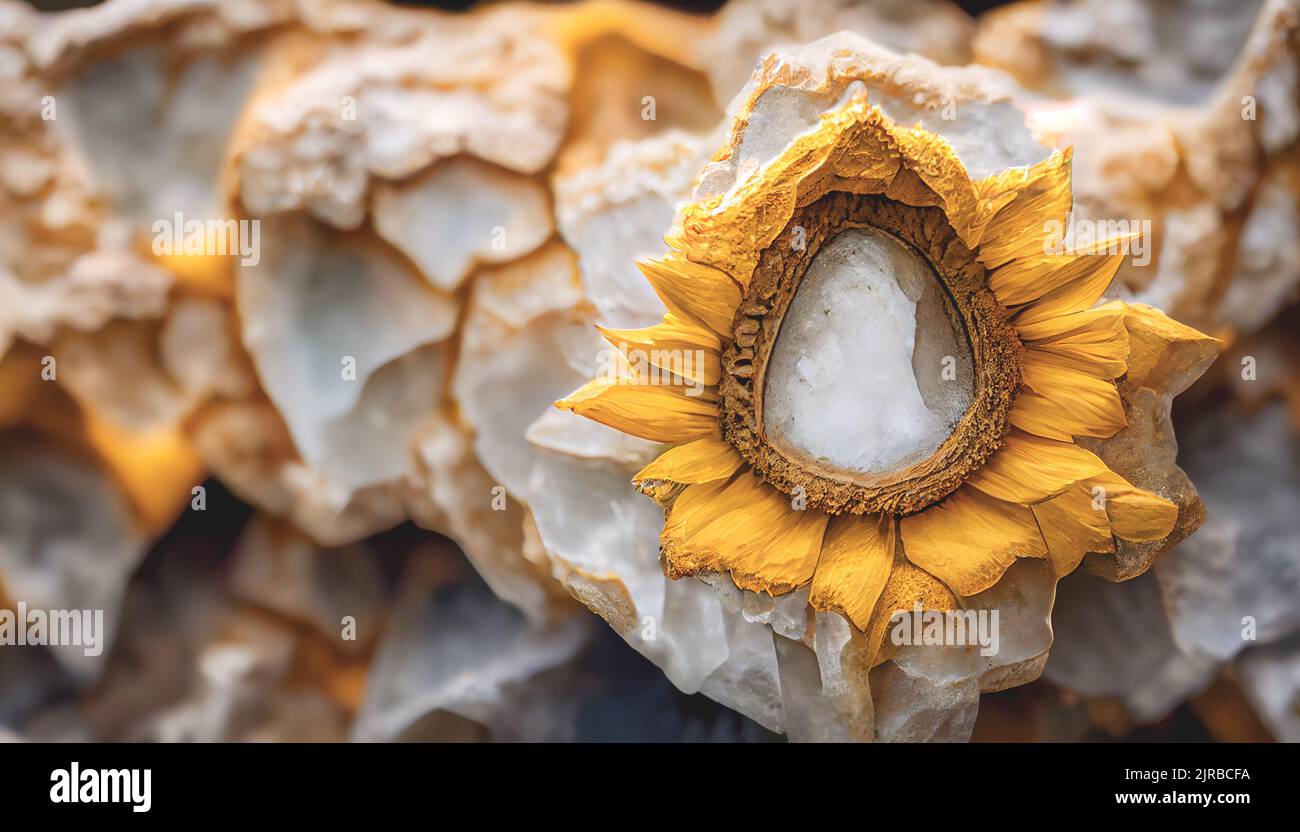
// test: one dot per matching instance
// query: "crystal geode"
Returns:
(450, 211)
(823, 676)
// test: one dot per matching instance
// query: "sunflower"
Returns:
(872, 373)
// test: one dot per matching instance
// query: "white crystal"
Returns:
(171, 165)
(462, 213)
(857, 376)
(615, 213)
(333, 327)
(1270, 678)
(67, 541)
(1114, 641)
(1244, 563)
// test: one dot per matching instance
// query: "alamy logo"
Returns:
(671, 367)
(1088, 236)
(951, 628)
(110, 785)
(179, 236)
(53, 628)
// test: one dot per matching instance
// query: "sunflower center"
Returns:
(870, 368)
(870, 371)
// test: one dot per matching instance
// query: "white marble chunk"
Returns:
(869, 372)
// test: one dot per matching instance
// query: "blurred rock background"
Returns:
(230, 616)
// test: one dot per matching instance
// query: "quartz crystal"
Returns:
(857, 373)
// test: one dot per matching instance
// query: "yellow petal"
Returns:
(1103, 320)
(1075, 296)
(673, 329)
(658, 412)
(856, 559)
(1100, 358)
(968, 540)
(1021, 228)
(1073, 525)
(695, 292)
(677, 346)
(745, 527)
(1029, 469)
(1034, 414)
(1085, 399)
(1135, 514)
(703, 460)
(1029, 278)
(1040, 416)
(1094, 340)
(906, 588)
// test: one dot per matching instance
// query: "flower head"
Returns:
(897, 369)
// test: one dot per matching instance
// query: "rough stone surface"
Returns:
(1113, 642)
(1182, 114)
(747, 30)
